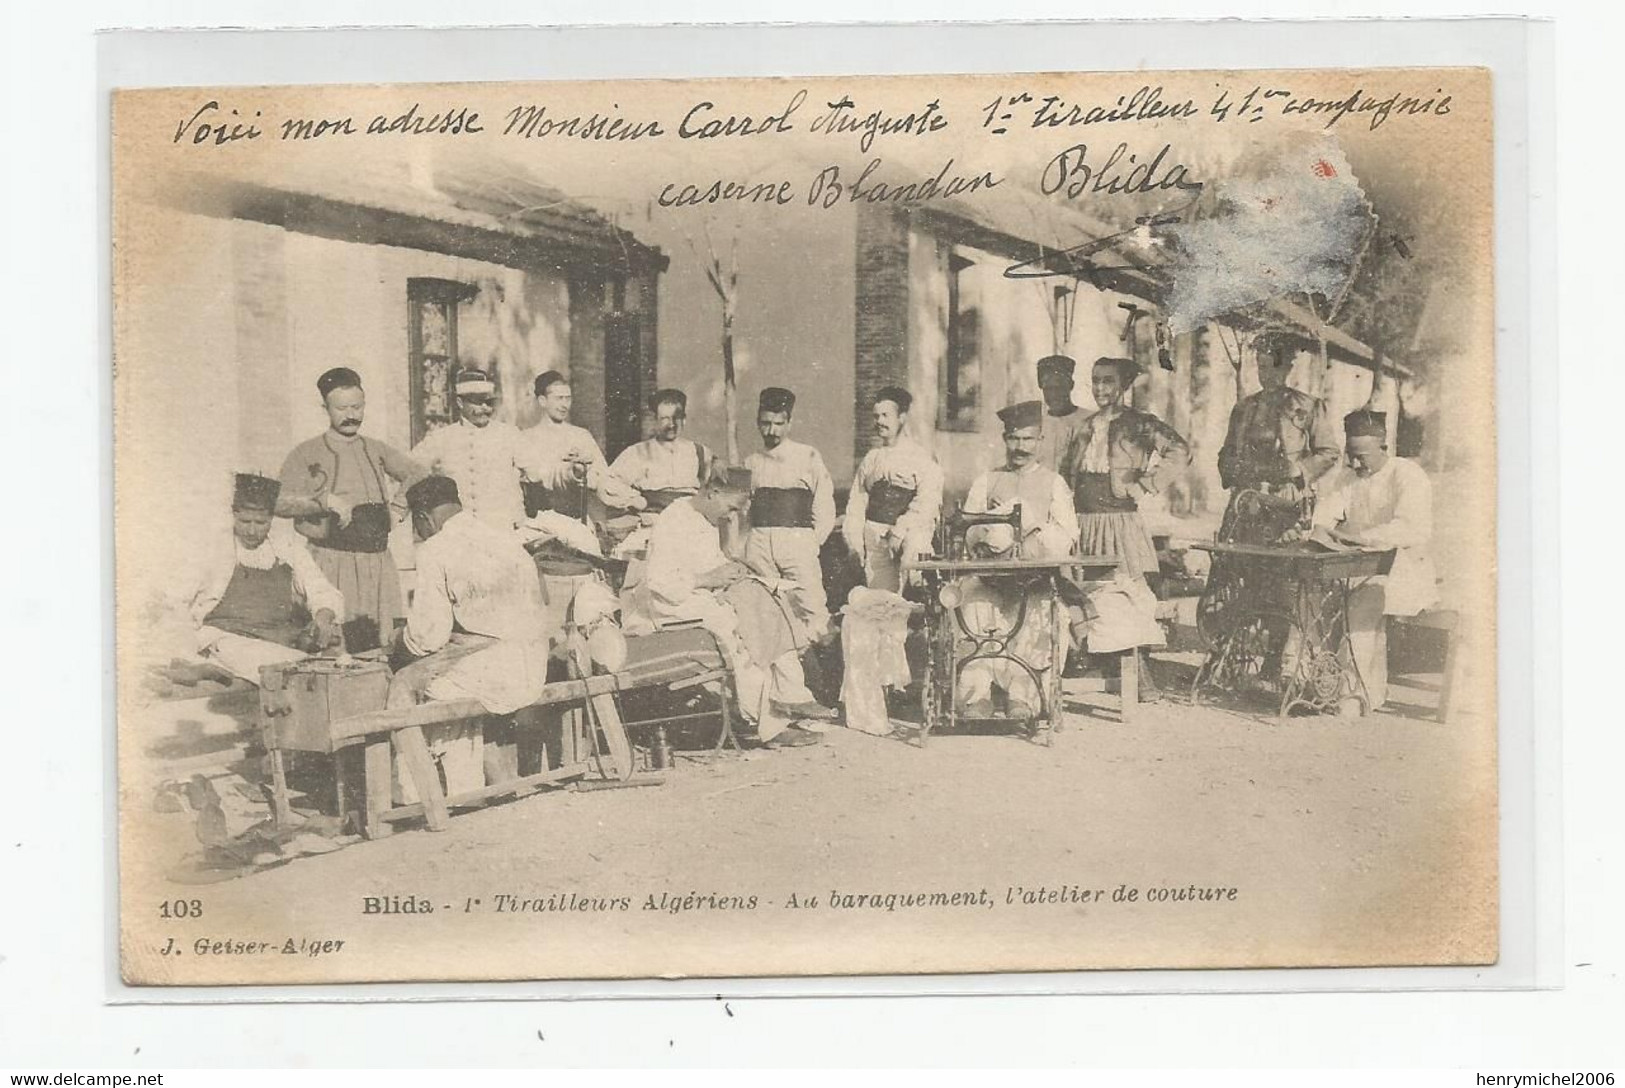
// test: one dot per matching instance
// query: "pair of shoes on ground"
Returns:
(794, 737)
(808, 714)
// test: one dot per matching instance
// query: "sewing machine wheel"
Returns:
(1326, 677)
(1240, 665)
(1223, 593)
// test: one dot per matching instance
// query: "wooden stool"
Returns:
(1448, 621)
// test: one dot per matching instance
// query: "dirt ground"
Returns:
(1318, 840)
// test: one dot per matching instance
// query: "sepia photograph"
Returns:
(877, 525)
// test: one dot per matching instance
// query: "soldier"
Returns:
(484, 455)
(1118, 456)
(1049, 529)
(1062, 418)
(792, 508)
(1387, 504)
(896, 496)
(1279, 443)
(668, 466)
(341, 489)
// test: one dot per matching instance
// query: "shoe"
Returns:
(808, 711)
(1019, 709)
(979, 708)
(794, 737)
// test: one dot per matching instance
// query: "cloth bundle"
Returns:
(874, 630)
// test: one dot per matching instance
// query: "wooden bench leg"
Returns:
(281, 807)
(379, 775)
(413, 752)
(1447, 682)
(1128, 684)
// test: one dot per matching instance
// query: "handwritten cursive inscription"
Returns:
(1120, 171)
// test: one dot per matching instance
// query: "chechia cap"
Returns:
(254, 492)
(430, 492)
(1028, 413)
(776, 399)
(340, 377)
(1364, 421)
(1059, 365)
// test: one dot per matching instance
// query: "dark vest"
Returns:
(261, 604)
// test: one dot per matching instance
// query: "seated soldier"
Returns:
(261, 601)
(1049, 530)
(475, 628)
(689, 577)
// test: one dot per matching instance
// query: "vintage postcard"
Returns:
(837, 526)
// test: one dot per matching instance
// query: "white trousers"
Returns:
(1368, 637)
(792, 555)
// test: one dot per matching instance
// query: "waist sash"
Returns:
(888, 502)
(1093, 495)
(367, 531)
(781, 508)
(569, 500)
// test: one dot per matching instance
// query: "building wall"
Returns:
(220, 375)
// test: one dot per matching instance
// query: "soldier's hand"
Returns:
(341, 506)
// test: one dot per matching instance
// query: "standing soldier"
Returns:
(668, 466)
(792, 507)
(563, 464)
(896, 496)
(484, 455)
(1119, 456)
(337, 488)
(1279, 443)
(1062, 418)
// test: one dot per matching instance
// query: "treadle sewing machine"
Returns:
(1279, 616)
(947, 629)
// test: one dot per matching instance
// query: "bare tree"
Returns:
(724, 279)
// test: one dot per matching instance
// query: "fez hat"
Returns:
(430, 492)
(668, 396)
(547, 379)
(1127, 369)
(1055, 364)
(896, 394)
(253, 492)
(340, 377)
(1367, 422)
(1028, 413)
(776, 399)
(474, 383)
(734, 479)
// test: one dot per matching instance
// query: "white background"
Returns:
(54, 902)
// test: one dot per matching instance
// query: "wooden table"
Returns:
(945, 625)
(1259, 596)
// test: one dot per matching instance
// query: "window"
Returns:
(960, 387)
(431, 323)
